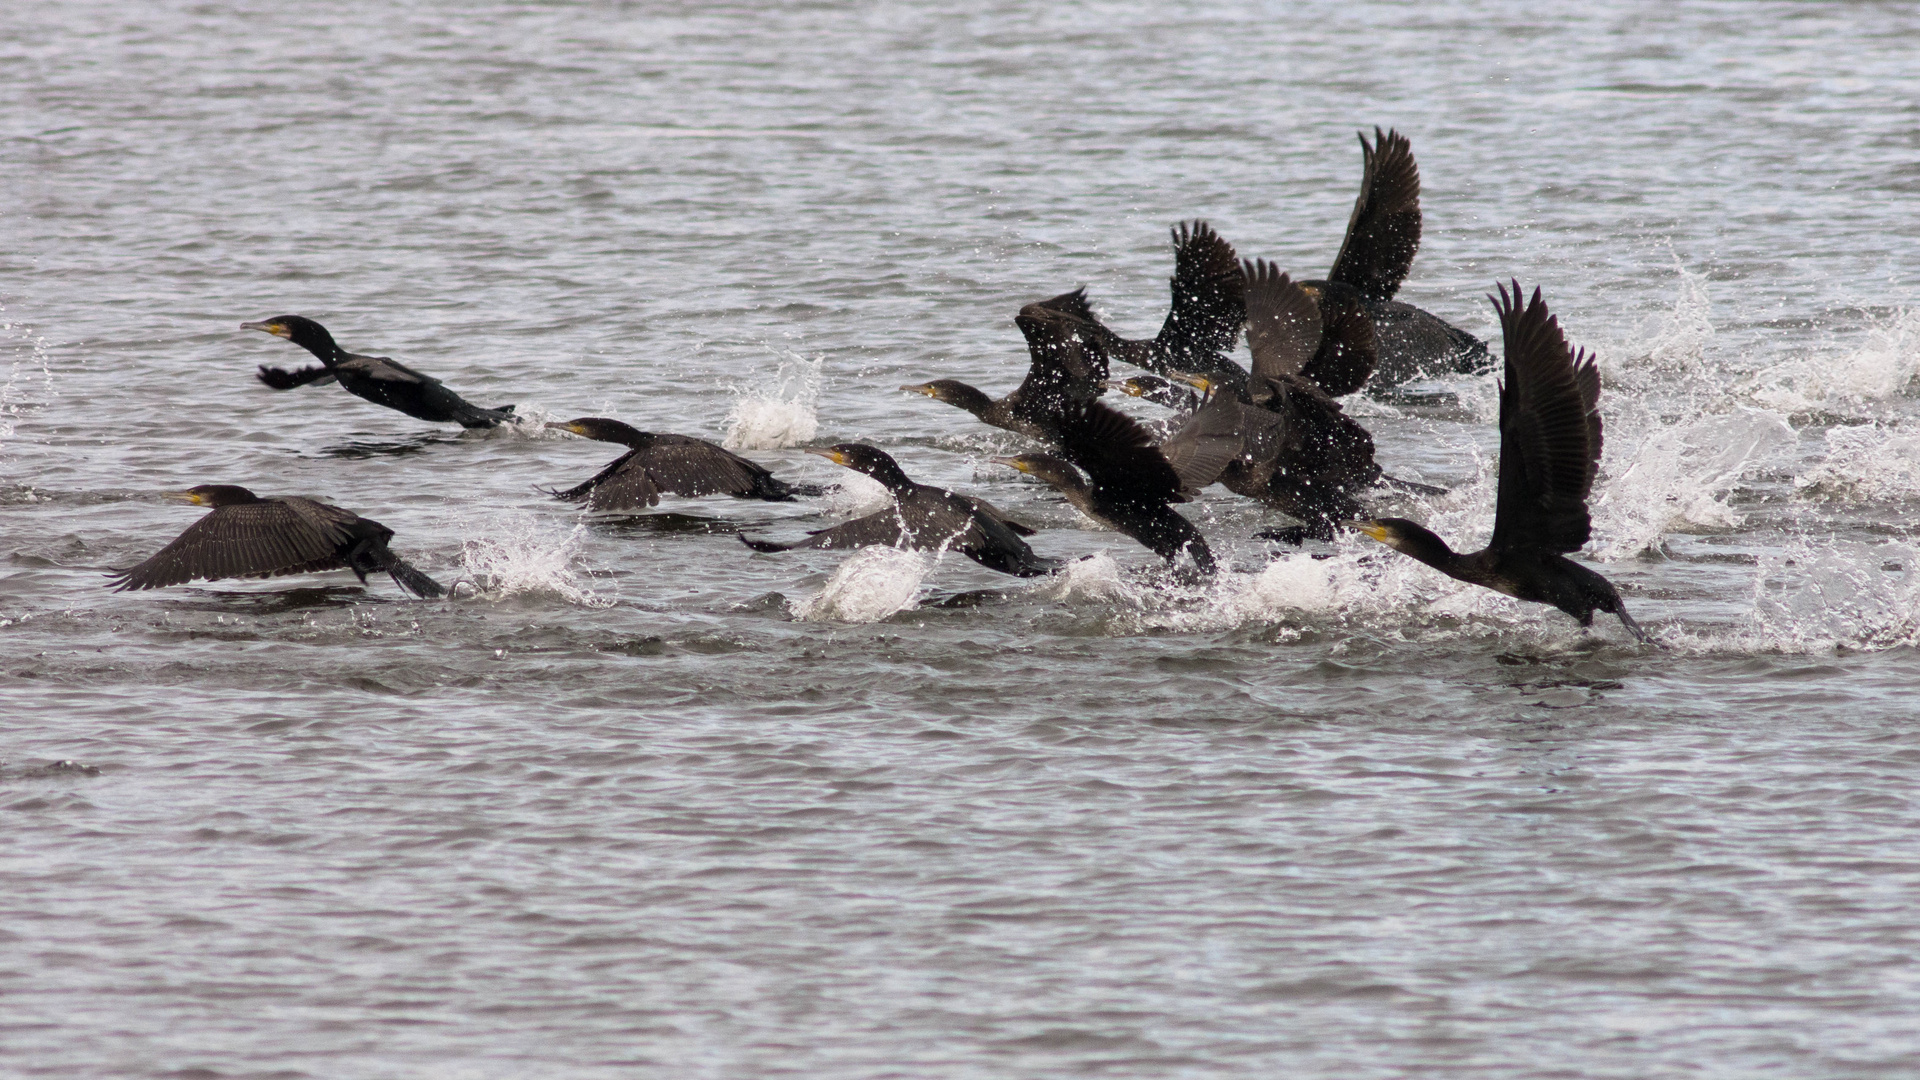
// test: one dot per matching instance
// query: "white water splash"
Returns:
(29, 351)
(1870, 462)
(519, 554)
(776, 414)
(1678, 478)
(1813, 596)
(1881, 368)
(856, 494)
(872, 583)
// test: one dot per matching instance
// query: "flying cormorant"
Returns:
(922, 518)
(376, 378)
(247, 536)
(1549, 452)
(1066, 365)
(1382, 237)
(676, 464)
(1280, 437)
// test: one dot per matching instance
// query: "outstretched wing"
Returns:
(1283, 322)
(282, 379)
(1208, 305)
(1549, 431)
(1067, 363)
(1349, 347)
(260, 539)
(1223, 431)
(1384, 232)
(1117, 454)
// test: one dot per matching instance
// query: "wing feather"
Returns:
(1550, 431)
(1283, 322)
(1383, 235)
(260, 539)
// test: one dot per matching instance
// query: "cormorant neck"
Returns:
(320, 343)
(1420, 543)
(962, 396)
(890, 474)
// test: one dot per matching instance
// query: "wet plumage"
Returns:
(247, 536)
(376, 378)
(657, 464)
(1065, 365)
(1550, 441)
(922, 518)
(1128, 484)
(1383, 235)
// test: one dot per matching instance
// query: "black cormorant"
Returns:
(250, 537)
(1382, 237)
(1549, 452)
(376, 378)
(1131, 483)
(1280, 437)
(922, 518)
(676, 464)
(1066, 365)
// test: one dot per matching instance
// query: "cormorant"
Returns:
(922, 518)
(1382, 237)
(1066, 365)
(248, 536)
(677, 464)
(1207, 311)
(376, 378)
(1280, 437)
(1132, 484)
(1549, 452)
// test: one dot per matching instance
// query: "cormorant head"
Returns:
(298, 329)
(1405, 537)
(601, 429)
(217, 495)
(862, 458)
(1053, 470)
(955, 393)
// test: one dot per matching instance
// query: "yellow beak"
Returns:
(830, 454)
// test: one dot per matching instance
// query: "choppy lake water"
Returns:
(641, 802)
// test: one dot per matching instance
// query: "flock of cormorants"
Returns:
(1273, 432)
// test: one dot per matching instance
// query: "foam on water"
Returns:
(872, 583)
(518, 553)
(777, 413)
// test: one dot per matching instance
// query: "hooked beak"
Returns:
(274, 328)
(1371, 528)
(1198, 382)
(574, 429)
(192, 497)
(1125, 386)
(1011, 463)
(922, 388)
(829, 453)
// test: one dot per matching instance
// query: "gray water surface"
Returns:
(641, 802)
